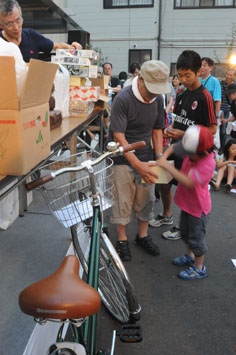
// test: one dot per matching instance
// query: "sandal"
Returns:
(147, 244)
(228, 187)
(213, 184)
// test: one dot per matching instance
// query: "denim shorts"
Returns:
(193, 232)
(130, 194)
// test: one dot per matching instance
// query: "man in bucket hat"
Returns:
(192, 195)
(137, 114)
(231, 92)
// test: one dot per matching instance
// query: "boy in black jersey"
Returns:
(194, 105)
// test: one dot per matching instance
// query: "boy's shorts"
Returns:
(193, 232)
(130, 194)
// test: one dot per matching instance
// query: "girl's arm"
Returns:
(177, 174)
(221, 163)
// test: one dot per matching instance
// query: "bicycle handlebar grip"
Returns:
(39, 182)
(134, 146)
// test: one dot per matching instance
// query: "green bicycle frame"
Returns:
(89, 333)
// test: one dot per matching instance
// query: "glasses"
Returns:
(17, 22)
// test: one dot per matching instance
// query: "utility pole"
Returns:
(159, 31)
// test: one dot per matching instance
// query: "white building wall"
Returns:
(203, 30)
(115, 31)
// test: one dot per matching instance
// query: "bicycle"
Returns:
(77, 194)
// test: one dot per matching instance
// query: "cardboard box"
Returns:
(77, 81)
(24, 125)
(83, 53)
(78, 108)
(164, 177)
(103, 83)
(85, 93)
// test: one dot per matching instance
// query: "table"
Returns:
(66, 132)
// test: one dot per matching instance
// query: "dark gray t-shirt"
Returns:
(136, 120)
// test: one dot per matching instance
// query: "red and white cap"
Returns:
(197, 139)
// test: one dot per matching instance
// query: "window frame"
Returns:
(105, 6)
(149, 51)
(203, 7)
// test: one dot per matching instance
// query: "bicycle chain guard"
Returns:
(130, 333)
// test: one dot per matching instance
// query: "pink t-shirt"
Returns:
(197, 199)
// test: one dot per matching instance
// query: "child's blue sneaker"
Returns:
(183, 260)
(193, 273)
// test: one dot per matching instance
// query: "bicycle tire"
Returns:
(115, 288)
(120, 299)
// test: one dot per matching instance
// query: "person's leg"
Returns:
(223, 128)
(166, 197)
(231, 174)
(124, 192)
(121, 230)
(220, 174)
(166, 216)
(188, 258)
(197, 245)
(143, 208)
(142, 229)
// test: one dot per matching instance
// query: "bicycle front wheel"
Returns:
(115, 288)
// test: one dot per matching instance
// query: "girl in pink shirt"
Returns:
(192, 195)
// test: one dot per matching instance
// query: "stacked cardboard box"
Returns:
(24, 125)
(77, 62)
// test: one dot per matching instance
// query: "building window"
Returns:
(189, 4)
(173, 69)
(113, 4)
(139, 55)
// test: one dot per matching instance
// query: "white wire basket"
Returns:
(68, 196)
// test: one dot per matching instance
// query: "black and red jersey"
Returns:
(193, 107)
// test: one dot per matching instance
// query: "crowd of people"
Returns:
(178, 121)
(201, 107)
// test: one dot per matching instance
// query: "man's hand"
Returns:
(223, 120)
(146, 173)
(173, 133)
(116, 89)
(76, 45)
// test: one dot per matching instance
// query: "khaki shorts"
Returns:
(131, 195)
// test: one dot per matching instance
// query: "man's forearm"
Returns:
(157, 138)
(131, 157)
(218, 104)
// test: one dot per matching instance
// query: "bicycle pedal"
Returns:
(130, 333)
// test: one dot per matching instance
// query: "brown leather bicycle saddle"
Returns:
(62, 295)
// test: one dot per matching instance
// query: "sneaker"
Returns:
(173, 234)
(183, 260)
(193, 273)
(147, 244)
(160, 220)
(123, 250)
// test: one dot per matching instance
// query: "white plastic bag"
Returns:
(61, 93)
(217, 135)
(9, 207)
(12, 50)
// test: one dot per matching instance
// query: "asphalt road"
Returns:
(178, 317)
(185, 317)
